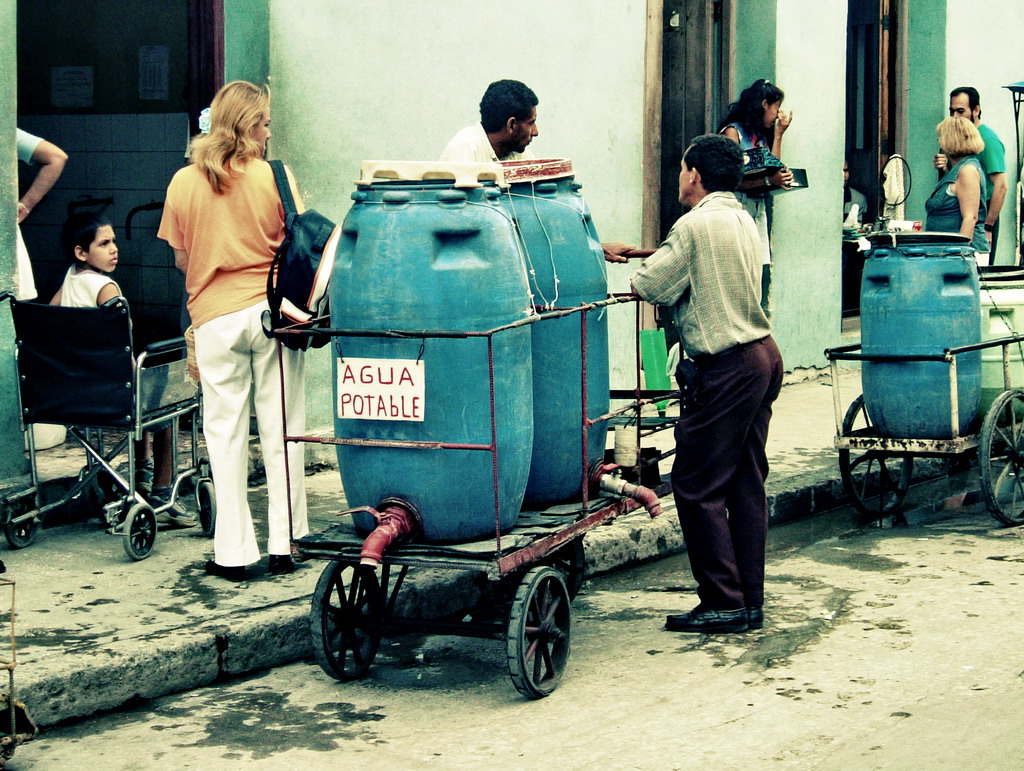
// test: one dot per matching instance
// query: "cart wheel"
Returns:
(571, 559)
(347, 605)
(139, 531)
(1001, 458)
(877, 482)
(539, 625)
(206, 500)
(21, 534)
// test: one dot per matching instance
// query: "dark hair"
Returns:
(973, 98)
(748, 110)
(719, 161)
(505, 99)
(80, 230)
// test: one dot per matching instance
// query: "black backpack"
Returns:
(300, 274)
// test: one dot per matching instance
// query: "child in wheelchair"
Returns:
(89, 242)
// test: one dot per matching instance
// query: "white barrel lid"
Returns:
(460, 174)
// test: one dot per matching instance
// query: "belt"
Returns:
(706, 359)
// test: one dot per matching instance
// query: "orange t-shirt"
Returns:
(230, 237)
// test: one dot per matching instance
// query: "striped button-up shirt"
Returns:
(709, 271)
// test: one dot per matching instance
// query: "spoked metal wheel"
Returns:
(139, 531)
(21, 534)
(877, 482)
(206, 501)
(347, 606)
(539, 626)
(1001, 458)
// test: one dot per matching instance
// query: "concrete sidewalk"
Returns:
(96, 630)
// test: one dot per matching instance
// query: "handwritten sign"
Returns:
(380, 389)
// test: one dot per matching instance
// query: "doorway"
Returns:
(870, 116)
(118, 87)
(695, 86)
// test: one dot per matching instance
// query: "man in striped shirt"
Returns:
(708, 272)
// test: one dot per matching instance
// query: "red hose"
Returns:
(646, 496)
(605, 476)
(397, 521)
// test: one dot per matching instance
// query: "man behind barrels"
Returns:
(508, 123)
(708, 271)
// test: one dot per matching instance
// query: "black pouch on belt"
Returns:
(687, 378)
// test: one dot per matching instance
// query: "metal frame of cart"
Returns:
(876, 470)
(535, 569)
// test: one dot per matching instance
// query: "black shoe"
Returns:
(709, 621)
(281, 563)
(755, 617)
(235, 573)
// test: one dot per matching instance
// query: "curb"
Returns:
(106, 675)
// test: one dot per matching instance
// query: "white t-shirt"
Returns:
(471, 145)
(80, 290)
(27, 144)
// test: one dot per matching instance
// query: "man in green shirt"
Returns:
(964, 102)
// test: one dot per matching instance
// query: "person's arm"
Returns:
(664, 277)
(613, 250)
(968, 194)
(781, 125)
(181, 260)
(995, 204)
(109, 291)
(56, 297)
(51, 160)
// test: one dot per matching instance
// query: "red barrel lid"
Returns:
(536, 170)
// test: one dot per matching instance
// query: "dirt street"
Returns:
(895, 648)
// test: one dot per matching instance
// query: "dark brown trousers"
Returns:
(719, 473)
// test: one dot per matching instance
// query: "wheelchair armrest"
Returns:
(166, 346)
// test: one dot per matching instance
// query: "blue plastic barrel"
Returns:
(566, 268)
(425, 255)
(920, 296)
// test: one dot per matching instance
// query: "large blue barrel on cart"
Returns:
(425, 249)
(920, 296)
(566, 268)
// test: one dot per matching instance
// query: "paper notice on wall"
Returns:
(380, 389)
(154, 63)
(71, 86)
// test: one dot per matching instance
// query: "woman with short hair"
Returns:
(957, 204)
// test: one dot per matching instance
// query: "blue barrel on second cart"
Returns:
(920, 296)
(419, 252)
(566, 267)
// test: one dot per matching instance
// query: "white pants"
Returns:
(235, 360)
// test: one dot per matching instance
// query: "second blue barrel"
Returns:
(566, 268)
(422, 254)
(920, 296)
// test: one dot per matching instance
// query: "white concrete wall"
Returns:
(811, 68)
(355, 80)
(984, 50)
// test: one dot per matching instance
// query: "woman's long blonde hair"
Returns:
(237, 109)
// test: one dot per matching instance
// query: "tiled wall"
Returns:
(130, 158)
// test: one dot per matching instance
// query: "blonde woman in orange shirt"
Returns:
(223, 218)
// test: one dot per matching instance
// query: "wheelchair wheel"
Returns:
(206, 500)
(139, 531)
(21, 534)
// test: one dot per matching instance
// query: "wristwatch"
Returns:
(989, 228)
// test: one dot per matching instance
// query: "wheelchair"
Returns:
(76, 367)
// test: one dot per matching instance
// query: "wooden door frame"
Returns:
(693, 57)
(205, 55)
